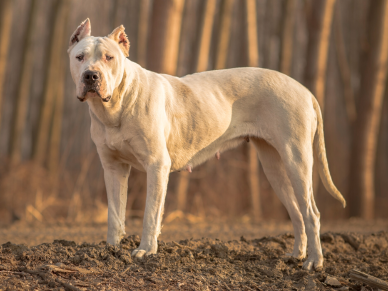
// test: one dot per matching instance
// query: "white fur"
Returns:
(159, 124)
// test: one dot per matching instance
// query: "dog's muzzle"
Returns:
(92, 82)
(91, 77)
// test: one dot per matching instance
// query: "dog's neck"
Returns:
(109, 113)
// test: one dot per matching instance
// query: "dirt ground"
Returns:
(221, 255)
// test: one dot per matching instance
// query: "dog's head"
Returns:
(97, 63)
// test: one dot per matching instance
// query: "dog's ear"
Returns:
(83, 30)
(119, 36)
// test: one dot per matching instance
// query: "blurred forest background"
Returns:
(49, 168)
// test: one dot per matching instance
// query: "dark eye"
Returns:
(108, 58)
(80, 57)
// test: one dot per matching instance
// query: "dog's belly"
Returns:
(236, 134)
(231, 139)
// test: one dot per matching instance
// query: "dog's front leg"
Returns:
(116, 182)
(157, 179)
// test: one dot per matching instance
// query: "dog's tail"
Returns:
(321, 159)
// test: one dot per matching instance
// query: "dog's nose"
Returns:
(91, 77)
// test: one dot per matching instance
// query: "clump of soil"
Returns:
(204, 264)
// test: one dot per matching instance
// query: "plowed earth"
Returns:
(195, 264)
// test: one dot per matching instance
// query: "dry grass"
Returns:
(75, 192)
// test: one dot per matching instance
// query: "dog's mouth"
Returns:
(91, 92)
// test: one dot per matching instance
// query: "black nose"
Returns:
(90, 77)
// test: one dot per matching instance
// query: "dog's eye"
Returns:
(80, 57)
(108, 58)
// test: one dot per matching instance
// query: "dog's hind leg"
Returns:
(298, 162)
(277, 176)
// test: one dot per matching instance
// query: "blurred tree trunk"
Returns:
(288, 36)
(224, 34)
(201, 65)
(163, 55)
(251, 27)
(344, 67)
(205, 36)
(253, 61)
(20, 112)
(189, 31)
(320, 21)
(5, 38)
(165, 35)
(142, 39)
(56, 129)
(53, 80)
(272, 35)
(362, 168)
(286, 52)
(117, 6)
(272, 21)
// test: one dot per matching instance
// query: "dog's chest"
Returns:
(113, 139)
(116, 144)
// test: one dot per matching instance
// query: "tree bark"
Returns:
(165, 35)
(20, 113)
(253, 61)
(5, 37)
(54, 74)
(362, 169)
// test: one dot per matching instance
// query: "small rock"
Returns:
(352, 239)
(76, 260)
(311, 285)
(362, 249)
(331, 281)
(343, 288)
(221, 250)
(180, 284)
(126, 259)
(327, 237)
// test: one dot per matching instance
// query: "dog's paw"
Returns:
(313, 264)
(140, 253)
(297, 255)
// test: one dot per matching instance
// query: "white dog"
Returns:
(160, 124)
